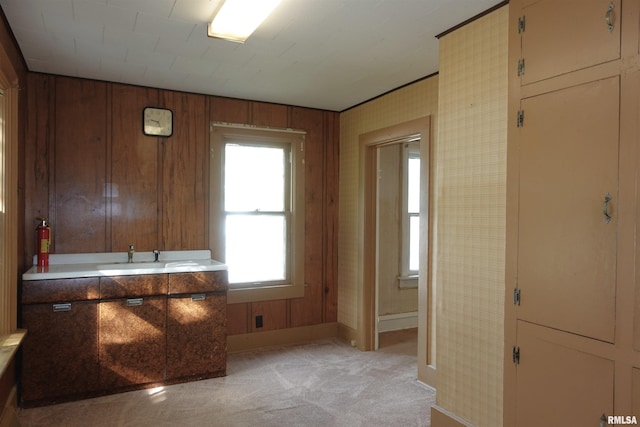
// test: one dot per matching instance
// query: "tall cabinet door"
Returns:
(567, 210)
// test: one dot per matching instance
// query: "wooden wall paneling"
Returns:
(308, 310)
(80, 148)
(237, 319)
(269, 115)
(39, 129)
(22, 120)
(330, 245)
(184, 183)
(274, 315)
(13, 62)
(228, 110)
(134, 186)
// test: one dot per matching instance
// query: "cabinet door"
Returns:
(560, 37)
(566, 248)
(59, 358)
(132, 341)
(583, 394)
(196, 335)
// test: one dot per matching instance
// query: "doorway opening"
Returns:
(386, 266)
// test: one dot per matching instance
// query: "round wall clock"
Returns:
(157, 121)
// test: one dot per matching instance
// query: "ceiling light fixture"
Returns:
(237, 19)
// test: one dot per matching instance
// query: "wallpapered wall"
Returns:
(467, 102)
(470, 163)
(417, 100)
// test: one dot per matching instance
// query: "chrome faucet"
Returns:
(131, 251)
(156, 254)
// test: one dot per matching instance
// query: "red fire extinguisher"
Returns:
(43, 232)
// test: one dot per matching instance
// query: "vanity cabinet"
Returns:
(60, 351)
(197, 325)
(132, 323)
(93, 336)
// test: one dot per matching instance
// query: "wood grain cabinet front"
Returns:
(196, 335)
(59, 359)
(60, 351)
(95, 336)
(132, 341)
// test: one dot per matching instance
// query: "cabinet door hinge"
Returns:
(521, 24)
(516, 296)
(520, 66)
(520, 118)
(516, 355)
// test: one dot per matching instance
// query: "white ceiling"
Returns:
(327, 54)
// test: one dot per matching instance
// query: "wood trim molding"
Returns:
(347, 334)
(280, 337)
(368, 143)
(440, 417)
(473, 18)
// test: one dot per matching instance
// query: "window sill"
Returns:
(264, 293)
(408, 282)
(9, 346)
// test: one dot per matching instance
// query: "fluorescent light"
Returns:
(237, 19)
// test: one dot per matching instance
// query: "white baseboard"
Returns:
(396, 322)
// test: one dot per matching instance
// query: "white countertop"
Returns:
(69, 266)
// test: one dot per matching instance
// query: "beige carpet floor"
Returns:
(324, 383)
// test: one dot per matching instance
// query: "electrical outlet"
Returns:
(259, 321)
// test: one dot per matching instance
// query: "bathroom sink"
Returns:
(68, 266)
(131, 265)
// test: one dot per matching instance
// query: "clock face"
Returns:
(157, 121)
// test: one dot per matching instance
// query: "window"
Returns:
(410, 213)
(257, 206)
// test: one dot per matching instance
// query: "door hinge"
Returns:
(520, 118)
(516, 355)
(516, 296)
(520, 66)
(521, 24)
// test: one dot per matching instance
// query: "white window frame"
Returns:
(293, 142)
(408, 278)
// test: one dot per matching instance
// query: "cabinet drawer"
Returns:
(60, 290)
(206, 281)
(133, 286)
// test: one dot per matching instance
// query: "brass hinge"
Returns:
(516, 355)
(521, 67)
(521, 24)
(516, 296)
(520, 118)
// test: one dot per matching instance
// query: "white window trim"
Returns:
(408, 278)
(222, 132)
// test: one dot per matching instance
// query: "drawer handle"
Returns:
(61, 307)
(132, 302)
(198, 297)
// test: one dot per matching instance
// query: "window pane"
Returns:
(414, 241)
(256, 248)
(254, 178)
(413, 188)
